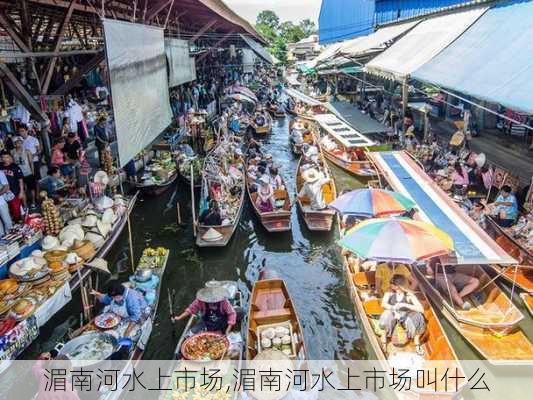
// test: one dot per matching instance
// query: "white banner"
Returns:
(139, 84)
(181, 66)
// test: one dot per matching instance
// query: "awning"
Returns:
(422, 43)
(376, 41)
(492, 60)
(360, 121)
(328, 53)
(472, 244)
(302, 97)
(244, 90)
(260, 50)
(342, 132)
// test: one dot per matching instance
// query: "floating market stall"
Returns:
(79, 232)
(159, 175)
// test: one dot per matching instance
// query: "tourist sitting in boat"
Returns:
(505, 208)
(212, 215)
(216, 312)
(297, 133)
(125, 302)
(269, 161)
(402, 307)
(384, 274)
(265, 200)
(453, 283)
(259, 119)
(235, 125)
(312, 188)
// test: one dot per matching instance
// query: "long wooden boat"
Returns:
(156, 189)
(271, 306)
(491, 325)
(276, 113)
(528, 302)
(266, 127)
(344, 146)
(137, 349)
(317, 220)
(278, 220)
(225, 231)
(438, 351)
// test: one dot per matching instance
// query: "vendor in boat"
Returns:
(453, 283)
(384, 273)
(312, 188)
(310, 152)
(460, 179)
(505, 208)
(123, 301)
(211, 216)
(216, 312)
(402, 307)
(265, 200)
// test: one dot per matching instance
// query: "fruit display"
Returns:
(153, 258)
(53, 223)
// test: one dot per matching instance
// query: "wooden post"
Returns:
(132, 261)
(178, 212)
(405, 97)
(192, 202)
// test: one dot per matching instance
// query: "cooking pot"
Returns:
(143, 274)
(88, 340)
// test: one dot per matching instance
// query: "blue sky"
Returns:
(287, 10)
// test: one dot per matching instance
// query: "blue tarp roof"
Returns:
(492, 60)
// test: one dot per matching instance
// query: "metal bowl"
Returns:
(143, 274)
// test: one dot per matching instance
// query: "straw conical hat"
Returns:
(311, 175)
(101, 177)
(99, 264)
(212, 294)
(212, 235)
(276, 360)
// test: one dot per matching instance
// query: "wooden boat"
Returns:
(267, 125)
(136, 351)
(236, 301)
(278, 220)
(438, 351)
(316, 220)
(491, 325)
(310, 137)
(271, 305)
(225, 231)
(344, 146)
(276, 113)
(528, 302)
(156, 189)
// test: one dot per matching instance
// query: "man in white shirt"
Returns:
(31, 144)
(5, 217)
(312, 188)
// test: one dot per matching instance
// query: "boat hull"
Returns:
(360, 169)
(157, 190)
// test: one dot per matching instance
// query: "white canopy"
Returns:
(375, 41)
(342, 132)
(422, 43)
(302, 97)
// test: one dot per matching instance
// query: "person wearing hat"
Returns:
(123, 301)
(216, 312)
(312, 188)
(265, 200)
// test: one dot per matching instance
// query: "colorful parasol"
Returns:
(372, 203)
(397, 240)
(240, 97)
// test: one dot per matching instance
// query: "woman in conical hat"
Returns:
(217, 313)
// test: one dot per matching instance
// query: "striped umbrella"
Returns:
(397, 240)
(372, 203)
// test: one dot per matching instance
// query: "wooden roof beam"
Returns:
(57, 45)
(203, 30)
(157, 8)
(11, 30)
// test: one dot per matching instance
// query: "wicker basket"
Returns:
(55, 256)
(84, 249)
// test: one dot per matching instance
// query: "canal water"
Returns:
(308, 262)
